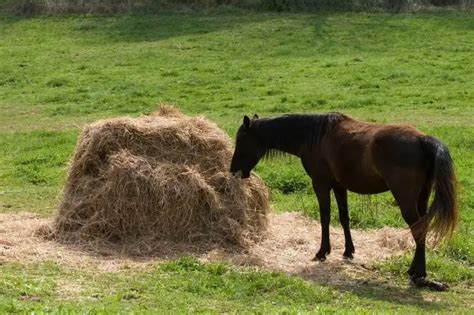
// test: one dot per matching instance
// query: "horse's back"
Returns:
(398, 145)
(365, 156)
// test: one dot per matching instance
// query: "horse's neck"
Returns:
(285, 136)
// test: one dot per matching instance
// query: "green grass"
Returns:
(58, 73)
(187, 285)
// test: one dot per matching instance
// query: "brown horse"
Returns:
(340, 153)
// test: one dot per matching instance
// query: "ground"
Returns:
(58, 73)
(288, 245)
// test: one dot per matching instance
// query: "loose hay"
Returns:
(291, 242)
(159, 177)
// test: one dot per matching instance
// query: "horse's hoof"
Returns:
(438, 286)
(319, 258)
(348, 256)
(433, 285)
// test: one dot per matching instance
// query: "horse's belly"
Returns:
(368, 190)
(355, 170)
(362, 182)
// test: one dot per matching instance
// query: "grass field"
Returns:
(58, 73)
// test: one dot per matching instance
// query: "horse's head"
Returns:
(248, 149)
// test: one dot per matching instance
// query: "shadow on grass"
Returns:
(165, 25)
(369, 284)
(7, 20)
(150, 28)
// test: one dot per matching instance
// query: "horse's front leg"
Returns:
(324, 199)
(341, 199)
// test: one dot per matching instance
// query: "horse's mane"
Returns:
(287, 129)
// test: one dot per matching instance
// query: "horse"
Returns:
(343, 154)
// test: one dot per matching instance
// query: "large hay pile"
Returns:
(158, 177)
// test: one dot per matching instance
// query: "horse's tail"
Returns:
(443, 213)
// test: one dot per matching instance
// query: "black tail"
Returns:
(443, 213)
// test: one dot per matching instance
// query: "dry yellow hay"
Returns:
(158, 177)
(289, 245)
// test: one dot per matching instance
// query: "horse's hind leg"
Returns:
(417, 269)
(341, 199)
(418, 265)
(408, 206)
(408, 201)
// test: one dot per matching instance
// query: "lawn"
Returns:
(59, 73)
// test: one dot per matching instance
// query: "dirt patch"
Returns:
(291, 242)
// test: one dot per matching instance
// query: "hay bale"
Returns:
(159, 177)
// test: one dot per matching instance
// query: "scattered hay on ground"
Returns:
(291, 243)
(137, 181)
(20, 242)
(293, 240)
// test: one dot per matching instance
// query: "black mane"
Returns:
(286, 133)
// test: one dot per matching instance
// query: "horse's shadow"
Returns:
(368, 284)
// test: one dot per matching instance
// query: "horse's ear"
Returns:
(246, 121)
(255, 116)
